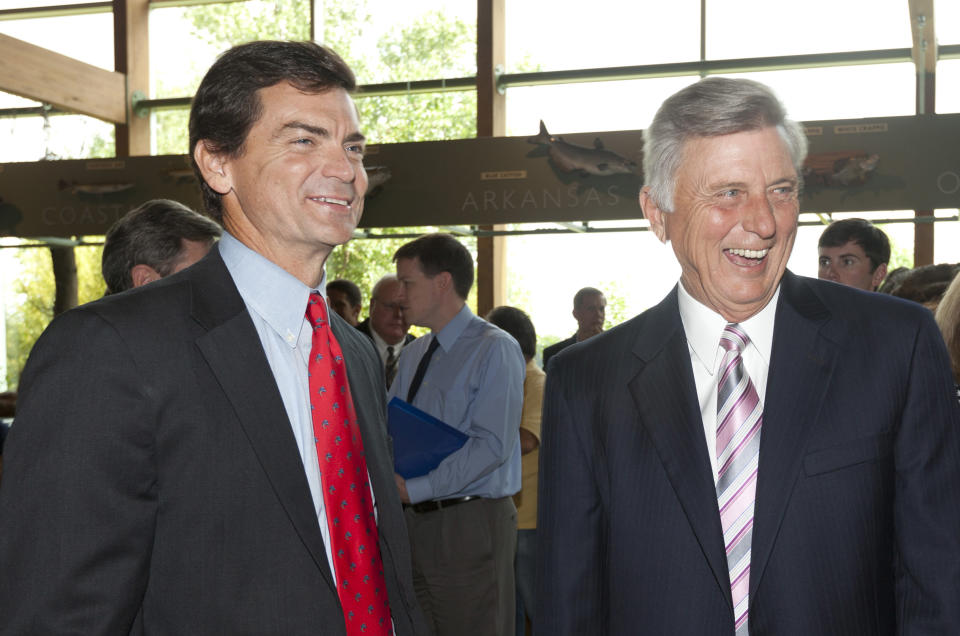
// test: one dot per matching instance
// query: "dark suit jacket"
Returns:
(152, 483)
(857, 522)
(556, 348)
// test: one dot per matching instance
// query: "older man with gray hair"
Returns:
(738, 459)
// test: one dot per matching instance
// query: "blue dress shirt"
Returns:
(474, 383)
(277, 302)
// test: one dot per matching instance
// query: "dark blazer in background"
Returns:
(556, 348)
(152, 483)
(857, 522)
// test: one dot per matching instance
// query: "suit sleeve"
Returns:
(78, 496)
(571, 550)
(927, 503)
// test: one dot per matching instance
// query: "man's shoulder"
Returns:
(558, 346)
(848, 303)
(364, 327)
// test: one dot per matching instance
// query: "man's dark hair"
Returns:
(348, 288)
(226, 106)
(868, 236)
(581, 296)
(151, 234)
(441, 253)
(518, 324)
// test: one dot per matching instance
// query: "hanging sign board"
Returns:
(896, 163)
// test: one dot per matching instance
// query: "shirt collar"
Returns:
(703, 328)
(452, 330)
(382, 345)
(267, 289)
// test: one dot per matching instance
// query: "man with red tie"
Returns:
(756, 454)
(208, 454)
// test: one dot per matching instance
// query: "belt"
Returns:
(430, 506)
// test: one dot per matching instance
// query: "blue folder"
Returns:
(420, 441)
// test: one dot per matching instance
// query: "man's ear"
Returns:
(879, 274)
(653, 213)
(212, 167)
(142, 274)
(443, 280)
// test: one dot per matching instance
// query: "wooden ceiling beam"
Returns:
(37, 73)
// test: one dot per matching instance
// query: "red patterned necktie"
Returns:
(346, 489)
(739, 416)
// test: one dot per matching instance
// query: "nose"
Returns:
(338, 165)
(830, 272)
(758, 217)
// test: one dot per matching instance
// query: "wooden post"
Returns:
(491, 122)
(131, 45)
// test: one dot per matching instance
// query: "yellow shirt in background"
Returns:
(526, 499)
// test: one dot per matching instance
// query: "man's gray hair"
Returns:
(712, 107)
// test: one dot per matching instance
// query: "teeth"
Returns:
(749, 253)
(331, 200)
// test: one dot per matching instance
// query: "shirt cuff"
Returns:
(419, 489)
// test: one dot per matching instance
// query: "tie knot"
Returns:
(734, 338)
(316, 311)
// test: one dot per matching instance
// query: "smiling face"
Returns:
(849, 265)
(735, 219)
(296, 190)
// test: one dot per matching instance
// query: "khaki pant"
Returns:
(463, 566)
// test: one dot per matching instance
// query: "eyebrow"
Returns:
(743, 185)
(320, 131)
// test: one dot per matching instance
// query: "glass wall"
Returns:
(387, 41)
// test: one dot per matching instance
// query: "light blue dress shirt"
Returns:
(474, 383)
(277, 303)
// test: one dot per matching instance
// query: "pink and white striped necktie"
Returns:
(739, 416)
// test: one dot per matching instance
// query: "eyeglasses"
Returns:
(390, 306)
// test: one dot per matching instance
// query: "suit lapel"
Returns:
(801, 365)
(665, 395)
(379, 465)
(232, 349)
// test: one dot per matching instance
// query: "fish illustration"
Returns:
(838, 169)
(94, 188)
(376, 177)
(855, 170)
(570, 158)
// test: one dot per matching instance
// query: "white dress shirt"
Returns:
(703, 327)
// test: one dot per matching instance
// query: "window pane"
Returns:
(88, 38)
(410, 40)
(588, 107)
(29, 4)
(948, 86)
(430, 116)
(175, 71)
(844, 92)
(946, 248)
(947, 21)
(8, 100)
(169, 132)
(61, 137)
(761, 28)
(550, 35)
